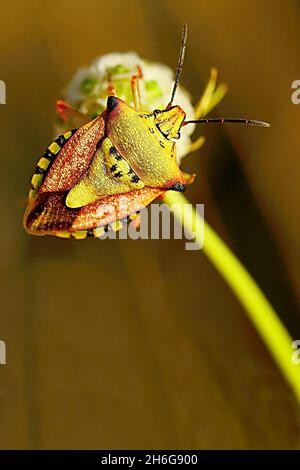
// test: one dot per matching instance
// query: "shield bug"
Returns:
(102, 173)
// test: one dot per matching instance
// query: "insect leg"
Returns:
(136, 89)
(70, 116)
(135, 220)
(111, 91)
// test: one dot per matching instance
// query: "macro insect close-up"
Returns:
(150, 295)
(111, 167)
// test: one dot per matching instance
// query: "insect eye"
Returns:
(157, 112)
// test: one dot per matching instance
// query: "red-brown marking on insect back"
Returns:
(112, 208)
(48, 213)
(74, 158)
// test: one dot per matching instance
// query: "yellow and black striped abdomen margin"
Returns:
(45, 162)
(99, 231)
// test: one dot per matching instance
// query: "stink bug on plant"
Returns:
(95, 177)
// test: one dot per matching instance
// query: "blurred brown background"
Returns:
(140, 344)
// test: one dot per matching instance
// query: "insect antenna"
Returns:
(180, 63)
(250, 122)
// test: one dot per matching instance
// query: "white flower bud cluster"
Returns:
(87, 90)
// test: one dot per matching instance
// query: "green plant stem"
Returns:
(259, 310)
